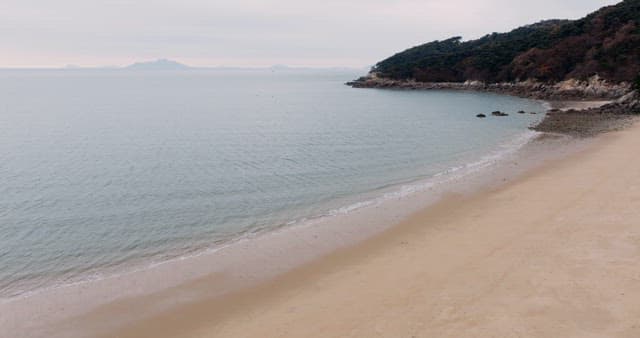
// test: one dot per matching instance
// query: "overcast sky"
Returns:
(45, 33)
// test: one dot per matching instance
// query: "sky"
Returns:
(327, 33)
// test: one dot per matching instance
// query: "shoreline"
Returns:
(229, 283)
(535, 277)
(320, 236)
(373, 198)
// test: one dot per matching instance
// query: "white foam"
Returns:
(449, 175)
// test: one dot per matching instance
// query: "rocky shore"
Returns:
(592, 121)
(622, 107)
(593, 89)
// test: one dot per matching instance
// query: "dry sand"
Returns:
(554, 254)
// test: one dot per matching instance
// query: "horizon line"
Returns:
(186, 67)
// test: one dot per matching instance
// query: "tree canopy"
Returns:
(606, 42)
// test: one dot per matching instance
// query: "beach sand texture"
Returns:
(553, 254)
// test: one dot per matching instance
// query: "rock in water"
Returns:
(481, 116)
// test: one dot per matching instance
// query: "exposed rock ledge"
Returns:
(594, 88)
(591, 121)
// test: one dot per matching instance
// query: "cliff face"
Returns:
(605, 43)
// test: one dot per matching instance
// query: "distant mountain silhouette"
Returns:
(160, 64)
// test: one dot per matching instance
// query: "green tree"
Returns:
(606, 42)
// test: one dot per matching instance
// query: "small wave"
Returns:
(446, 176)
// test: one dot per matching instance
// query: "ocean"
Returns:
(106, 170)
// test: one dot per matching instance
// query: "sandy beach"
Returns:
(551, 254)
(284, 169)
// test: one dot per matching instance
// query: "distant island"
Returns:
(160, 64)
(601, 48)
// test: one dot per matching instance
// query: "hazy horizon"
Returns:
(198, 33)
(152, 61)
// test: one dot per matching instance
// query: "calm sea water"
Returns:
(99, 169)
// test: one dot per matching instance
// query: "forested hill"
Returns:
(606, 43)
